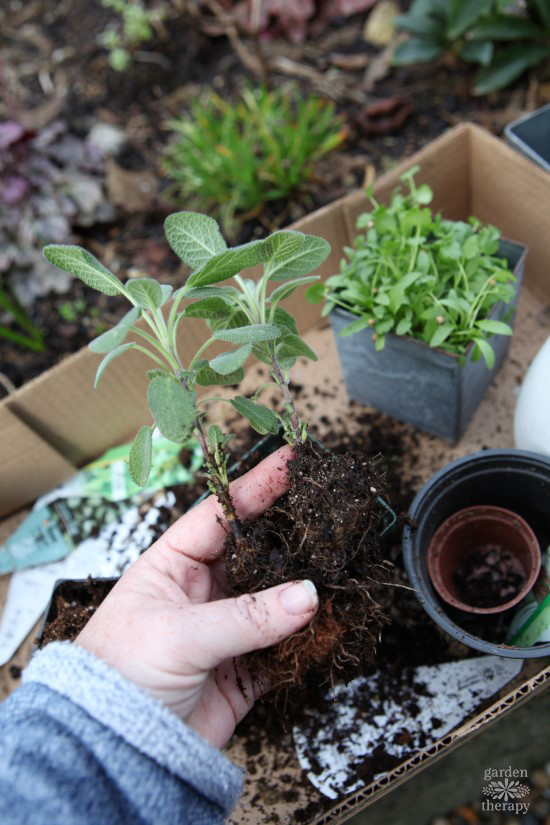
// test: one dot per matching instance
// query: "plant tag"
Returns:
(96, 496)
(382, 720)
(531, 622)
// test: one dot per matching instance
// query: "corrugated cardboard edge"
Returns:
(376, 790)
(30, 465)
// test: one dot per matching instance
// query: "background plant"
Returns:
(414, 273)
(49, 181)
(136, 25)
(243, 316)
(505, 38)
(230, 159)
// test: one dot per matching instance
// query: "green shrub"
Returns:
(489, 32)
(231, 159)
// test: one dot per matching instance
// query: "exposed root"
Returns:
(326, 528)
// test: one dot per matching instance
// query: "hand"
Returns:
(167, 624)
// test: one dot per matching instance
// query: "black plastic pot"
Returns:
(530, 134)
(514, 479)
(423, 385)
(74, 590)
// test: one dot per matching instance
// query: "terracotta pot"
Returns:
(475, 528)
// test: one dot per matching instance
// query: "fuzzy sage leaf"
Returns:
(228, 263)
(207, 308)
(110, 357)
(173, 408)
(146, 292)
(228, 362)
(139, 460)
(208, 377)
(194, 238)
(285, 290)
(261, 419)
(111, 339)
(308, 257)
(248, 335)
(292, 345)
(80, 262)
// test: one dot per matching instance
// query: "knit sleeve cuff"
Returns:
(135, 716)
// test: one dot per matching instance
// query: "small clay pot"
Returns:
(476, 529)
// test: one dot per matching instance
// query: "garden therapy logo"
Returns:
(505, 791)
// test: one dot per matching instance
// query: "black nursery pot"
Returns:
(515, 479)
(81, 592)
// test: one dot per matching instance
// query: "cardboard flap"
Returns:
(444, 165)
(30, 466)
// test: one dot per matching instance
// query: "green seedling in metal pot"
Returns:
(413, 273)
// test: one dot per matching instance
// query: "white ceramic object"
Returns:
(532, 417)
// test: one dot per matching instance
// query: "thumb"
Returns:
(232, 627)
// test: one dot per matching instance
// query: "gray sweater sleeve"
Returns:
(79, 745)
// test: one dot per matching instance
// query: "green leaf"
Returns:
(207, 308)
(285, 290)
(166, 292)
(81, 263)
(540, 9)
(355, 326)
(451, 251)
(216, 438)
(207, 377)
(228, 362)
(494, 327)
(505, 27)
(486, 350)
(248, 335)
(284, 321)
(424, 194)
(416, 50)
(194, 238)
(292, 346)
(228, 263)
(315, 294)
(193, 293)
(146, 291)
(173, 408)
(153, 373)
(115, 336)
(281, 247)
(422, 25)
(110, 357)
(507, 65)
(403, 326)
(441, 334)
(141, 453)
(261, 418)
(477, 51)
(306, 259)
(467, 13)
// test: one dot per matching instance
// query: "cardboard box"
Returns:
(58, 422)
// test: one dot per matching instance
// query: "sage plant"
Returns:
(243, 315)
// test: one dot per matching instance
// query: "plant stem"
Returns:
(289, 402)
(217, 484)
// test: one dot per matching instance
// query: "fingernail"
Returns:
(300, 597)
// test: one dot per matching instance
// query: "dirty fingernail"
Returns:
(299, 598)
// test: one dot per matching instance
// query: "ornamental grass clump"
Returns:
(326, 528)
(234, 158)
(413, 273)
